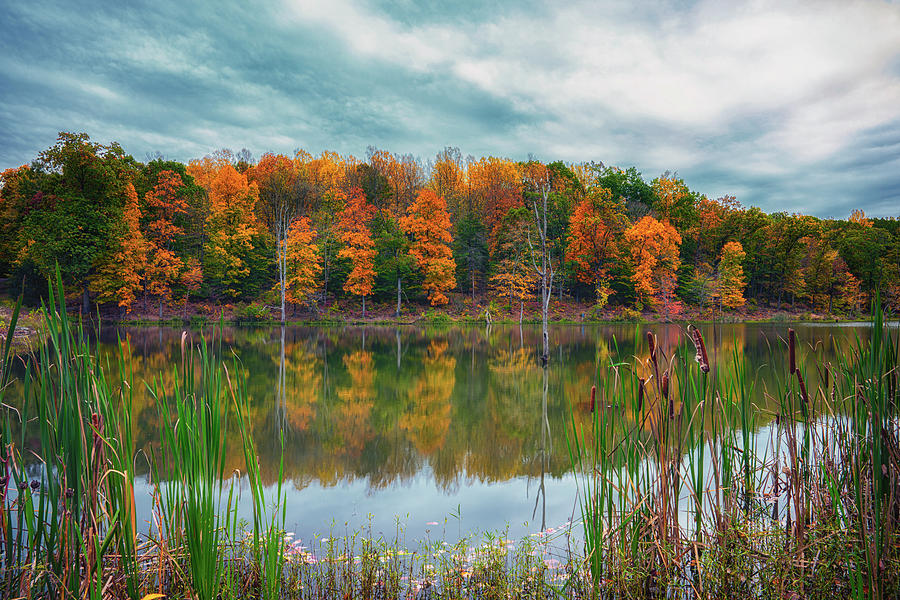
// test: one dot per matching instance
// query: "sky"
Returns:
(789, 106)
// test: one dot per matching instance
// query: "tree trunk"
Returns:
(85, 302)
(364, 307)
(160, 308)
(325, 272)
(398, 297)
(281, 257)
(521, 310)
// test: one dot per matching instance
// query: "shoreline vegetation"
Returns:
(677, 496)
(343, 312)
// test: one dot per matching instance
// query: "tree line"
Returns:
(299, 231)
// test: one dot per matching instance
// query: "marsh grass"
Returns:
(681, 493)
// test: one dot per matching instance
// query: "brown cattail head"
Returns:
(651, 342)
(593, 397)
(664, 388)
(702, 358)
(641, 382)
(803, 395)
(792, 357)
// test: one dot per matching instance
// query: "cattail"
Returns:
(651, 341)
(664, 387)
(641, 382)
(593, 397)
(803, 395)
(702, 358)
(792, 357)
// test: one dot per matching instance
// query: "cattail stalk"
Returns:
(702, 358)
(792, 355)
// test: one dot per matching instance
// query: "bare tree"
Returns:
(537, 198)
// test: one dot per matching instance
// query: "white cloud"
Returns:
(819, 72)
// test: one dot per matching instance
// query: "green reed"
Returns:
(77, 504)
(268, 542)
(192, 464)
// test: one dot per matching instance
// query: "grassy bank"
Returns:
(678, 495)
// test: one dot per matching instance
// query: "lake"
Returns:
(436, 431)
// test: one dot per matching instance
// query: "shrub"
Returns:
(252, 313)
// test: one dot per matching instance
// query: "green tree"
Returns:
(74, 202)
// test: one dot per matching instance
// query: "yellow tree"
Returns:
(730, 281)
(119, 277)
(325, 178)
(231, 226)
(674, 201)
(448, 179)
(428, 222)
(858, 216)
(301, 261)
(514, 277)
(359, 247)
(276, 177)
(654, 247)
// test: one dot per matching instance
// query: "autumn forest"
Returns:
(298, 233)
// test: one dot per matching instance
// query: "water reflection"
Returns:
(425, 421)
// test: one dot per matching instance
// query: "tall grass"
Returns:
(71, 503)
(678, 497)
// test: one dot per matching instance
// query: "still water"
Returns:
(437, 431)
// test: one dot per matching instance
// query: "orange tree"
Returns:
(359, 247)
(593, 231)
(428, 222)
(164, 202)
(654, 247)
(120, 273)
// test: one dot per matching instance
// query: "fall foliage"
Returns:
(223, 228)
(654, 249)
(120, 276)
(730, 283)
(428, 222)
(359, 247)
(593, 230)
(303, 266)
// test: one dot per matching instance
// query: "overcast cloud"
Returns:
(788, 106)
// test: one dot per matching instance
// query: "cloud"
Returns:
(761, 98)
